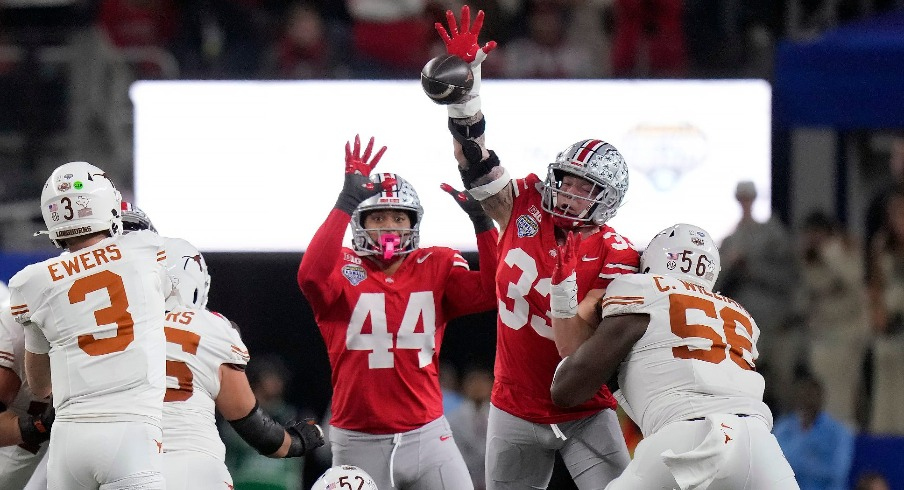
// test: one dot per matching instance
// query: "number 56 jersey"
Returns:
(98, 312)
(695, 359)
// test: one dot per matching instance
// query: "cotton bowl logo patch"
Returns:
(354, 273)
(527, 226)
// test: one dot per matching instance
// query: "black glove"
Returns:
(472, 206)
(306, 437)
(358, 187)
(35, 429)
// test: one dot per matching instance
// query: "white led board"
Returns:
(256, 166)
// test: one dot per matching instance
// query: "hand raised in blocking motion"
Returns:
(357, 186)
(471, 206)
(463, 43)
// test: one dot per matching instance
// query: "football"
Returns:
(447, 79)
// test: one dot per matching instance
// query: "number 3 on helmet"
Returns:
(78, 199)
(344, 477)
(683, 251)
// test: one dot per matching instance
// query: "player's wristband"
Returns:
(563, 299)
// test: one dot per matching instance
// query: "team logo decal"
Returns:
(527, 226)
(672, 260)
(697, 238)
(354, 273)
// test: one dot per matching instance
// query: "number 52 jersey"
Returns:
(695, 359)
(99, 312)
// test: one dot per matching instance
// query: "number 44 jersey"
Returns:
(695, 359)
(99, 313)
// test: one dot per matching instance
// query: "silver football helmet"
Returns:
(78, 199)
(683, 251)
(597, 162)
(400, 195)
(344, 476)
(134, 219)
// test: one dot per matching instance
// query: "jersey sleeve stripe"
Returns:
(18, 310)
(626, 267)
(611, 276)
(7, 357)
(621, 301)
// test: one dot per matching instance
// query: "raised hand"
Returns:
(357, 163)
(463, 42)
(357, 186)
(563, 299)
(471, 206)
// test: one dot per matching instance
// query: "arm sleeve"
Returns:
(320, 259)
(474, 291)
(35, 341)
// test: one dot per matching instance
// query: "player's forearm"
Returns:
(570, 333)
(37, 371)
(323, 251)
(9, 429)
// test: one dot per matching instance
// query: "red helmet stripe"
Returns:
(587, 148)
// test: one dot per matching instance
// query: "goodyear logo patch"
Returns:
(527, 226)
(354, 273)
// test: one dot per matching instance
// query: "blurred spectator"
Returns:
(390, 38)
(469, 422)
(886, 290)
(140, 24)
(544, 51)
(304, 50)
(759, 271)
(448, 383)
(876, 217)
(819, 448)
(835, 311)
(872, 481)
(268, 376)
(648, 39)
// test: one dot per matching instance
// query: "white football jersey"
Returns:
(99, 312)
(695, 359)
(17, 463)
(198, 343)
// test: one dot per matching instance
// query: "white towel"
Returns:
(697, 468)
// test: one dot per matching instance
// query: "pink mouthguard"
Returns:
(389, 242)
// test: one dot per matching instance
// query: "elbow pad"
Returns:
(260, 431)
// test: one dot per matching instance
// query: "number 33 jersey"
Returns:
(695, 359)
(383, 334)
(99, 313)
(198, 342)
(526, 355)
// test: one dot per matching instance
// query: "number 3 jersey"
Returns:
(198, 342)
(99, 313)
(526, 355)
(383, 333)
(695, 359)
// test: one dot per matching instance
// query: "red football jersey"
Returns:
(383, 333)
(526, 355)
